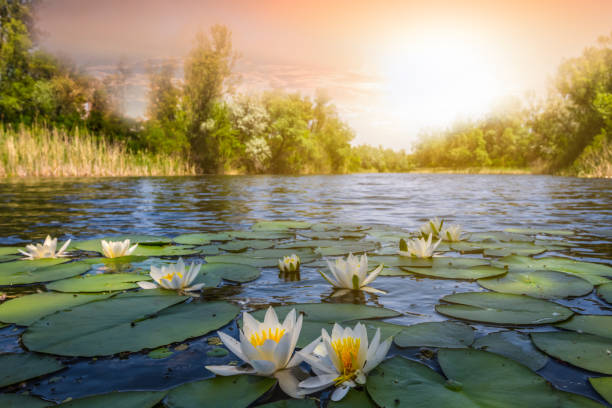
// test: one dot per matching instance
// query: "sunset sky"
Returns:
(392, 68)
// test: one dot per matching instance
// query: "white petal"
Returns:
(373, 275)
(195, 287)
(147, 285)
(370, 289)
(263, 367)
(289, 383)
(319, 381)
(283, 351)
(379, 356)
(271, 319)
(298, 357)
(233, 345)
(340, 392)
(226, 370)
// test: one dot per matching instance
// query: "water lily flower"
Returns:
(289, 263)
(45, 250)
(268, 349)
(418, 247)
(174, 277)
(451, 233)
(433, 226)
(352, 274)
(116, 249)
(344, 360)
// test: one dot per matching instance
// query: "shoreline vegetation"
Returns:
(57, 121)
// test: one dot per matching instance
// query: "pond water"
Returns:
(90, 208)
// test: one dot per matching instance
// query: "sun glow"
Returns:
(435, 80)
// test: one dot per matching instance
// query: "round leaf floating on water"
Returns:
(232, 272)
(502, 308)
(473, 273)
(25, 310)
(605, 292)
(15, 368)
(292, 403)
(44, 274)
(540, 284)
(228, 392)
(23, 266)
(582, 350)
(125, 323)
(514, 345)
(98, 283)
(599, 325)
(22, 401)
(280, 225)
(603, 386)
(537, 231)
(354, 399)
(244, 244)
(126, 399)
(436, 334)
(202, 239)
(331, 312)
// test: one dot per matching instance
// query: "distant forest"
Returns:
(202, 121)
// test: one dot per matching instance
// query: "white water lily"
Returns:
(451, 233)
(174, 277)
(344, 360)
(289, 263)
(352, 274)
(418, 247)
(45, 250)
(268, 349)
(117, 249)
(431, 227)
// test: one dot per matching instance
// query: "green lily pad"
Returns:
(535, 250)
(262, 258)
(165, 250)
(582, 350)
(129, 322)
(217, 352)
(244, 244)
(9, 250)
(332, 235)
(400, 382)
(603, 386)
(436, 334)
(158, 247)
(280, 225)
(331, 312)
(593, 272)
(292, 403)
(473, 273)
(7, 258)
(354, 399)
(502, 308)
(228, 392)
(98, 283)
(23, 266)
(243, 260)
(569, 400)
(22, 401)
(437, 261)
(312, 329)
(537, 231)
(540, 284)
(15, 368)
(605, 292)
(126, 399)
(94, 245)
(599, 325)
(232, 272)
(27, 309)
(261, 234)
(513, 345)
(160, 353)
(499, 236)
(202, 239)
(43, 274)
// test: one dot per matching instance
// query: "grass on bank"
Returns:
(39, 152)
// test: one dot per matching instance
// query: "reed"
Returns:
(40, 152)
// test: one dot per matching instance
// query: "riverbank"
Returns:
(52, 153)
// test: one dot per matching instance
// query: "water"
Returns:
(86, 208)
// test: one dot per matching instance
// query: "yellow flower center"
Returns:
(258, 339)
(171, 275)
(347, 350)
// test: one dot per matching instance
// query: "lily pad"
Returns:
(472, 273)
(126, 399)
(98, 283)
(244, 244)
(22, 401)
(593, 272)
(603, 385)
(499, 236)
(27, 309)
(354, 399)
(513, 345)
(243, 260)
(582, 350)
(400, 382)
(538, 231)
(600, 325)
(502, 308)
(605, 292)
(165, 250)
(128, 322)
(280, 225)
(437, 261)
(9, 250)
(540, 284)
(202, 239)
(232, 272)
(292, 403)
(160, 353)
(44, 274)
(15, 368)
(436, 334)
(228, 392)
(23, 266)
(331, 312)
(261, 234)
(151, 247)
